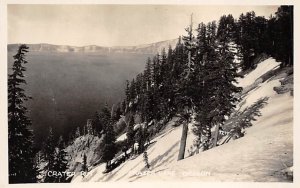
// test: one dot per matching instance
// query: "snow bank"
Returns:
(261, 69)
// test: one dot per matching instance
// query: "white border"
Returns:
(3, 92)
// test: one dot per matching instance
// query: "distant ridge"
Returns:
(139, 49)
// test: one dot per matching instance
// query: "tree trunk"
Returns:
(183, 140)
(216, 135)
(132, 150)
(198, 145)
(106, 165)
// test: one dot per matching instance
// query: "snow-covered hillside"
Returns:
(265, 153)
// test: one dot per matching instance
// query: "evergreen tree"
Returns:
(156, 72)
(147, 74)
(132, 91)
(179, 61)
(219, 73)
(227, 25)
(202, 43)
(154, 90)
(105, 116)
(168, 94)
(108, 144)
(247, 39)
(206, 64)
(49, 155)
(22, 167)
(127, 93)
(118, 113)
(130, 132)
(84, 167)
(123, 107)
(60, 162)
(225, 85)
(77, 132)
(138, 85)
(261, 44)
(146, 160)
(97, 124)
(89, 127)
(283, 39)
(109, 148)
(164, 85)
(71, 137)
(147, 104)
(183, 89)
(49, 149)
(141, 139)
(84, 130)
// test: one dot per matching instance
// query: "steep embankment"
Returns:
(88, 145)
(263, 154)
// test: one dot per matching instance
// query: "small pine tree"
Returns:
(147, 74)
(77, 132)
(97, 124)
(123, 107)
(109, 147)
(146, 160)
(130, 132)
(105, 116)
(127, 93)
(117, 113)
(84, 163)
(49, 155)
(60, 162)
(141, 139)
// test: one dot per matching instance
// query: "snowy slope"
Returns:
(262, 68)
(265, 150)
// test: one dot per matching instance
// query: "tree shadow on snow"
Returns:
(160, 160)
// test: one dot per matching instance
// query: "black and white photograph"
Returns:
(149, 93)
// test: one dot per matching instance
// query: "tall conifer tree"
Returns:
(60, 162)
(108, 146)
(22, 167)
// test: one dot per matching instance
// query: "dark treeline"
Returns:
(152, 93)
(274, 36)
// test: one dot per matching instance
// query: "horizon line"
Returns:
(90, 44)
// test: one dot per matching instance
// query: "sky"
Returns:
(112, 25)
